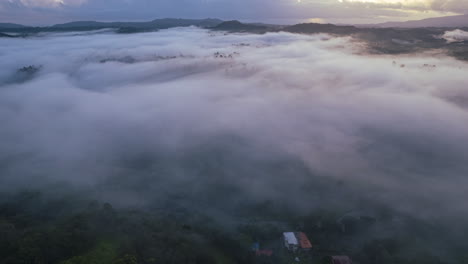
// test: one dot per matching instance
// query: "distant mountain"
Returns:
(155, 24)
(311, 28)
(76, 24)
(11, 25)
(172, 22)
(448, 21)
(122, 27)
(236, 26)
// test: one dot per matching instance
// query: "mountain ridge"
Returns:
(447, 21)
(123, 27)
(163, 22)
(11, 25)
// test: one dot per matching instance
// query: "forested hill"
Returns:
(127, 26)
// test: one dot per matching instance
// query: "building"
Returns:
(290, 241)
(304, 242)
(296, 240)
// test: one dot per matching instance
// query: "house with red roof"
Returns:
(296, 240)
(304, 242)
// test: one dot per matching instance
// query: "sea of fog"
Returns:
(305, 120)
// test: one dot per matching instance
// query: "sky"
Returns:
(45, 12)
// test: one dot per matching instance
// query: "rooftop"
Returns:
(290, 238)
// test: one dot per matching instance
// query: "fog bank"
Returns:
(303, 120)
(456, 35)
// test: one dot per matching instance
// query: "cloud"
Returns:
(40, 12)
(457, 6)
(456, 35)
(297, 119)
(45, 3)
(276, 12)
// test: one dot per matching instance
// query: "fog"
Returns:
(302, 120)
(456, 35)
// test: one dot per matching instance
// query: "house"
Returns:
(290, 241)
(296, 240)
(304, 242)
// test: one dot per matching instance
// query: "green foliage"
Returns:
(103, 253)
(130, 259)
(36, 230)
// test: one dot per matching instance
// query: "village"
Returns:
(295, 247)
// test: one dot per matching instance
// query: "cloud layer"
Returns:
(44, 3)
(459, 6)
(456, 35)
(279, 11)
(278, 116)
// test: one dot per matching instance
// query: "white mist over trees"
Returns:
(93, 107)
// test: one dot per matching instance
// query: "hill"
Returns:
(448, 21)
(3, 35)
(311, 28)
(123, 27)
(11, 25)
(155, 24)
(76, 24)
(236, 26)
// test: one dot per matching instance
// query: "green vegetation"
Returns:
(103, 253)
(70, 230)
(75, 232)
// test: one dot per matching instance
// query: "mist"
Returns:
(456, 35)
(222, 120)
